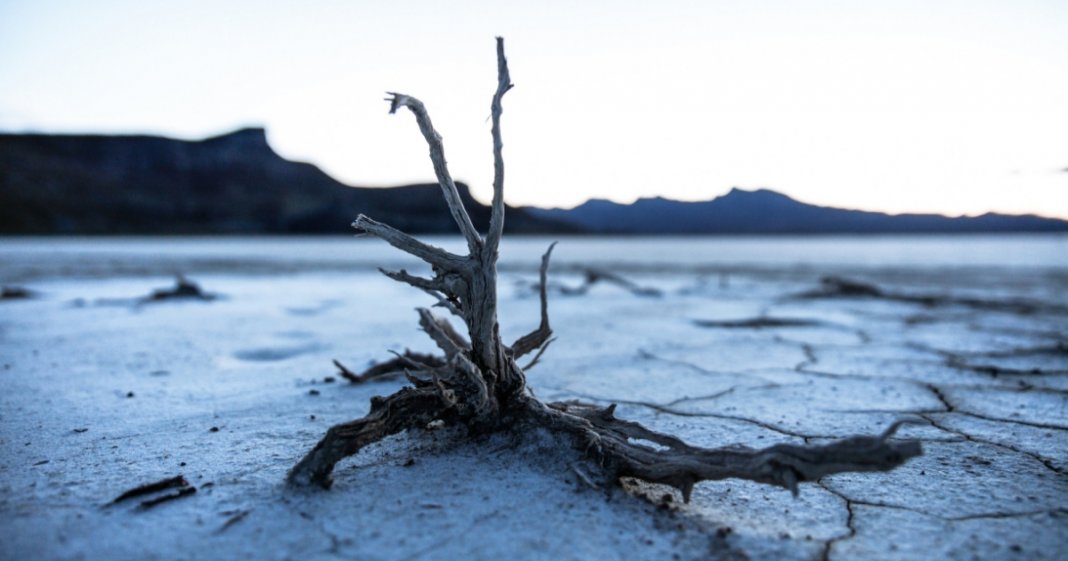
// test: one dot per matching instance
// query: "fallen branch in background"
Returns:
(592, 277)
(184, 289)
(763, 322)
(837, 287)
(15, 293)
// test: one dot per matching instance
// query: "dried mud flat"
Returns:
(104, 392)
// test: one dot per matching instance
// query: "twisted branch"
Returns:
(441, 170)
(504, 83)
(408, 244)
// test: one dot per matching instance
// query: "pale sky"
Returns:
(958, 107)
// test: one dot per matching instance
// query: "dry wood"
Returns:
(837, 287)
(154, 487)
(391, 368)
(15, 293)
(595, 276)
(476, 382)
(184, 289)
(178, 482)
(156, 501)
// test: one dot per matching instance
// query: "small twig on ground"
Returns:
(234, 519)
(177, 482)
(148, 488)
(183, 492)
(584, 477)
(15, 293)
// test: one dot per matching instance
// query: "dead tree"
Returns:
(477, 383)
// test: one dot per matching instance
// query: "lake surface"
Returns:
(29, 258)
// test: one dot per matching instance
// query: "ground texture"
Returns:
(104, 392)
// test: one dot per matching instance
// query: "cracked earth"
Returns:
(101, 396)
(983, 383)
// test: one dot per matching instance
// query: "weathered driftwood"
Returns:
(478, 384)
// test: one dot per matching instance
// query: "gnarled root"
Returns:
(477, 383)
(407, 409)
(628, 449)
(622, 448)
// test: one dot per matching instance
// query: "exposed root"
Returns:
(621, 448)
(477, 383)
(407, 409)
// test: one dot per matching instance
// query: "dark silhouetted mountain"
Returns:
(235, 183)
(767, 212)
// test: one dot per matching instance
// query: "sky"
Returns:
(956, 107)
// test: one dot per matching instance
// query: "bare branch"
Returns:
(541, 350)
(441, 169)
(504, 83)
(450, 332)
(402, 275)
(406, 243)
(441, 337)
(439, 290)
(537, 338)
(451, 307)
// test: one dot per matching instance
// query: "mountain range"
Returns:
(229, 184)
(764, 211)
(236, 184)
